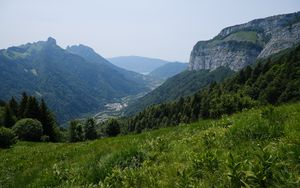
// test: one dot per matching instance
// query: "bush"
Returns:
(7, 137)
(28, 129)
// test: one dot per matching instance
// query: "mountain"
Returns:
(70, 84)
(168, 70)
(90, 55)
(138, 64)
(180, 85)
(240, 45)
(271, 81)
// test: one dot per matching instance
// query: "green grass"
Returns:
(255, 148)
(248, 36)
(240, 36)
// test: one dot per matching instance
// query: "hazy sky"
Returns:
(166, 29)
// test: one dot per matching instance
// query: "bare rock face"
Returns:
(238, 46)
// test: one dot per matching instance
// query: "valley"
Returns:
(70, 117)
(116, 109)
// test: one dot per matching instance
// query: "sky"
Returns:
(165, 29)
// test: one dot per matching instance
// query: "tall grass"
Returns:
(255, 148)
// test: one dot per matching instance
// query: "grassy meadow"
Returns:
(254, 148)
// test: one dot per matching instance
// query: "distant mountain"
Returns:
(240, 45)
(180, 85)
(168, 70)
(90, 55)
(70, 84)
(138, 64)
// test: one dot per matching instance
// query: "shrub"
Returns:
(7, 137)
(28, 129)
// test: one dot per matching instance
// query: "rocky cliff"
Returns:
(240, 45)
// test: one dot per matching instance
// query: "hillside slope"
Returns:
(90, 55)
(255, 148)
(143, 65)
(70, 84)
(240, 45)
(180, 85)
(168, 70)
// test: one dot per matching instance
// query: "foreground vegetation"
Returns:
(257, 148)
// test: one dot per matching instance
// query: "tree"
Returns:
(90, 132)
(75, 131)
(112, 128)
(79, 132)
(72, 131)
(48, 121)
(8, 119)
(28, 129)
(22, 106)
(32, 108)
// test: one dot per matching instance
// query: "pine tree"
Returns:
(112, 128)
(22, 106)
(90, 129)
(32, 109)
(8, 119)
(48, 122)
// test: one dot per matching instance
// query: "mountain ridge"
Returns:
(168, 70)
(240, 45)
(69, 83)
(143, 65)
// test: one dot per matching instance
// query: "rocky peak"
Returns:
(81, 48)
(240, 45)
(51, 41)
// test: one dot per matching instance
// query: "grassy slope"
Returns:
(249, 36)
(264, 145)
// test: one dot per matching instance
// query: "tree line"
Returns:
(29, 119)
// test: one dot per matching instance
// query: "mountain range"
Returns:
(77, 81)
(71, 84)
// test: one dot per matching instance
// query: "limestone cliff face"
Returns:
(240, 45)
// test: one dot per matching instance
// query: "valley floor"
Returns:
(256, 148)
